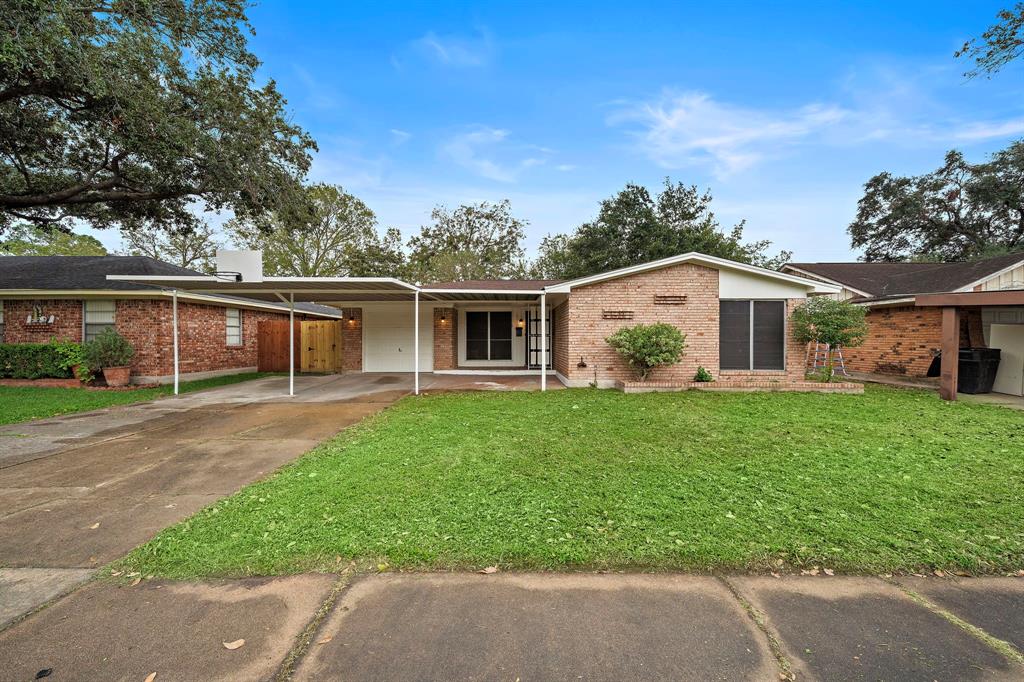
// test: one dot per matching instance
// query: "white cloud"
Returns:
(488, 153)
(457, 51)
(565, 167)
(399, 137)
(684, 128)
(974, 132)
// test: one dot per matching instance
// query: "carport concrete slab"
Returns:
(23, 589)
(865, 629)
(537, 627)
(177, 630)
(996, 605)
(61, 535)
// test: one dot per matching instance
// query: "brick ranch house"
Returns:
(905, 337)
(735, 317)
(70, 298)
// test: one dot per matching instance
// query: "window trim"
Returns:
(228, 327)
(750, 335)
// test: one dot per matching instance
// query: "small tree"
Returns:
(825, 320)
(647, 346)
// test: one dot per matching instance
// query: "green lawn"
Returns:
(893, 479)
(24, 403)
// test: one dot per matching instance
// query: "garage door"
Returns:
(1009, 339)
(388, 339)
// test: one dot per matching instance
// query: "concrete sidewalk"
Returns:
(528, 627)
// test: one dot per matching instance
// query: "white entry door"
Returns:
(388, 339)
(1009, 339)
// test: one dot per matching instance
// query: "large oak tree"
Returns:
(135, 112)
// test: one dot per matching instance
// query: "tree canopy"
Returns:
(133, 112)
(28, 240)
(331, 233)
(633, 227)
(960, 211)
(1000, 44)
(474, 241)
(191, 248)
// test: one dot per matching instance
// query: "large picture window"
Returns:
(752, 335)
(97, 316)
(488, 335)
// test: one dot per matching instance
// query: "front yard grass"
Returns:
(24, 403)
(891, 480)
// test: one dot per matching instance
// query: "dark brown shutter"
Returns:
(734, 335)
(769, 335)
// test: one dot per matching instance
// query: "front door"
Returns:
(533, 338)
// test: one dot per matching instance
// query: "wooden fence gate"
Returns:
(317, 346)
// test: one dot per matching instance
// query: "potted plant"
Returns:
(111, 353)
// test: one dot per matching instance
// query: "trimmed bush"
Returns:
(35, 360)
(108, 349)
(703, 376)
(647, 346)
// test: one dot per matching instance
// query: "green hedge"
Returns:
(33, 361)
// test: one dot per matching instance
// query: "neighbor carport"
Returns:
(952, 305)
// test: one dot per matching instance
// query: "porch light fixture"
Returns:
(520, 323)
(444, 317)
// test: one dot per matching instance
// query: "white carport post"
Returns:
(291, 344)
(174, 324)
(543, 342)
(416, 343)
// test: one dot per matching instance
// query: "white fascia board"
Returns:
(693, 257)
(829, 280)
(298, 281)
(970, 287)
(510, 292)
(885, 302)
(145, 279)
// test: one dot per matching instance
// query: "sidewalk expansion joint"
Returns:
(785, 669)
(305, 638)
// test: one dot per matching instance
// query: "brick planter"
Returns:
(739, 386)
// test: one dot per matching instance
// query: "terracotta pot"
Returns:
(117, 376)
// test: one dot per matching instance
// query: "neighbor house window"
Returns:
(97, 316)
(752, 335)
(489, 335)
(234, 327)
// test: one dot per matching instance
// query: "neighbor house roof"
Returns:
(41, 274)
(886, 280)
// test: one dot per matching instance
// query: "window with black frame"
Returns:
(488, 335)
(752, 335)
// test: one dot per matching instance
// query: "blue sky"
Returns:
(783, 111)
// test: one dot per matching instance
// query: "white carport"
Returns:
(331, 291)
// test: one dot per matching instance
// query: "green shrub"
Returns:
(825, 320)
(34, 361)
(647, 346)
(703, 375)
(108, 349)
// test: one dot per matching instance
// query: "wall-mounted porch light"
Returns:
(520, 323)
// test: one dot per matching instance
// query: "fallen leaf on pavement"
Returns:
(150, 677)
(136, 581)
(326, 639)
(829, 571)
(939, 574)
(94, 526)
(231, 646)
(489, 570)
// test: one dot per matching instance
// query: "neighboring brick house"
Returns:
(903, 338)
(69, 297)
(735, 317)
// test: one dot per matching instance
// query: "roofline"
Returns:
(518, 292)
(157, 293)
(996, 273)
(281, 280)
(828, 279)
(879, 302)
(566, 287)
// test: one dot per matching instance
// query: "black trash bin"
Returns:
(977, 369)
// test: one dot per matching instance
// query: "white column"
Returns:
(543, 342)
(291, 344)
(416, 344)
(174, 325)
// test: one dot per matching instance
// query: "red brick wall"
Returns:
(352, 340)
(900, 341)
(560, 330)
(446, 338)
(67, 322)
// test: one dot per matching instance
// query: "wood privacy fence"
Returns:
(317, 346)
